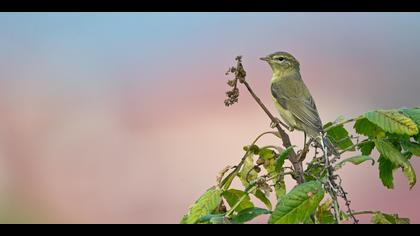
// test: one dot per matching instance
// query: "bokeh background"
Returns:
(119, 118)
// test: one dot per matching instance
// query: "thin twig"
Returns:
(364, 212)
(342, 123)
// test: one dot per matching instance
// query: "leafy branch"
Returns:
(314, 199)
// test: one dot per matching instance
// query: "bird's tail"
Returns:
(331, 150)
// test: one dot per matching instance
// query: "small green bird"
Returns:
(293, 100)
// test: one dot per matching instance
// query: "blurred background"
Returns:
(119, 118)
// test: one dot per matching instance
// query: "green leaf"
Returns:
(344, 216)
(266, 153)
(339, 136)
(280, 185)
(412, 147)
(313, 170)
(356, 160)
(205, 205)
(296, 206)
(387, 150)
(414, 114)
(249, 214)
(282, 157)
(213, 219)
(232, 196)
(261, 196)
(339, 119)
(324, 215)
(364, 127)
(386, 172)
(270, 165)
(247, 173)
(254, 149)
(410, 174)
(382, 218)
(392, 121)
(366, 147)
(417, 138)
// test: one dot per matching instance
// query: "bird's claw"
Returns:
(275, 123)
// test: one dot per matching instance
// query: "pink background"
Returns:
(119, 118)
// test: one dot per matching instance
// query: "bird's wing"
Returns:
(293, 95)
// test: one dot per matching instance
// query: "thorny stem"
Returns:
(330, 184)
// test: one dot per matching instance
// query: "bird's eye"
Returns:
(280, 58)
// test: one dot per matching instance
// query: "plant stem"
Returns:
(343, 123)
(238, 167)
(364, 212)
(293, 157)
(240, 201)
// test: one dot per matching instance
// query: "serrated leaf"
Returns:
(205, 205)
(413, 113)
(323, 214)
(249, 214)
(232, 196)
(364, 127)
(382, 218)
(366, 147)
(410, 174)
(263, 198)
(247, 173)
(393, 121)
(388, 151)
(386, 172)
(339, 136)
(356, 160)
(297, 205)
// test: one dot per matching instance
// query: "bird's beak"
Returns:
(264, 58)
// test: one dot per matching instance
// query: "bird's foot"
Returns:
(275, 122)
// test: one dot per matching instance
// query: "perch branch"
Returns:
(240, 76)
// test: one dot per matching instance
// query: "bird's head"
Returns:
(281, 62)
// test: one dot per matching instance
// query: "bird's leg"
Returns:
(304, 143)
(277, 121)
